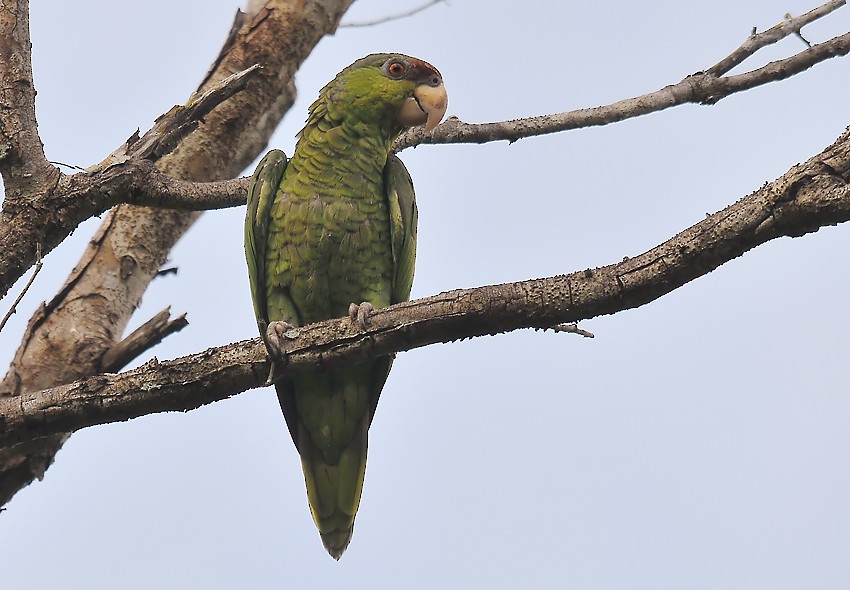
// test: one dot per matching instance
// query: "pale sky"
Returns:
(698, 442)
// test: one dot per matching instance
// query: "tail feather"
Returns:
(333, 490)
(328, 415)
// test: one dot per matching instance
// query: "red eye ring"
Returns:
(396, 69)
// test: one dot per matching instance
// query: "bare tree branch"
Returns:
(700, 88)
(25, 169)
(809, 196)
(140, 182)
(392, 17)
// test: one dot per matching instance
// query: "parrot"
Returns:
(331, 232)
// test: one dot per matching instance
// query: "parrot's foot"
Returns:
(360, 314)
(274, 339)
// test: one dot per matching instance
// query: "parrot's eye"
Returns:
(396, 69)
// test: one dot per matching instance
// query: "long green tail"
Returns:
(334, 490)
(331, 433)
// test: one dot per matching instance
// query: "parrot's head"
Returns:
(391, 90)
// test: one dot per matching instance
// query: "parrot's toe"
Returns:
(274, 339)
(360, 314)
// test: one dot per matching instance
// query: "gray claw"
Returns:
(360, 314)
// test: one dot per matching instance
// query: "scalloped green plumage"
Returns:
(336, 225)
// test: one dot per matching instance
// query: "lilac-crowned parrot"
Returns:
(332, 232)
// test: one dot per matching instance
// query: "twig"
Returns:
(141, 339)
(71, 166)
(392, 17)
(38, 264)
(776, 33)
(788, 17)
(700, 88)
(573, 329)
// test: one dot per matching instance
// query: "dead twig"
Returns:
(141, 339)
(38, 264)
(573, 329)
(392, 17)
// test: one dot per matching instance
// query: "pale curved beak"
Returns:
(427, 106)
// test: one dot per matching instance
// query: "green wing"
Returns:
(404, 217)
(403, 220)
(261, 192)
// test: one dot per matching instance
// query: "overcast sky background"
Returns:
(698, 442)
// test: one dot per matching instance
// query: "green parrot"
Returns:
(332, 232)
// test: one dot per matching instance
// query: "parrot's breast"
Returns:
(331, 248)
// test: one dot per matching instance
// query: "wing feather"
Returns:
(261, 192)
(404, 218)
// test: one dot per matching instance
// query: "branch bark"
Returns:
(806, 198)
(25, 168)
(27, 175)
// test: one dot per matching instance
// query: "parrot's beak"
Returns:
(427, 106)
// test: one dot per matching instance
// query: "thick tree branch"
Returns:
(700, 88)
(806, 198)
(27, 175)
(25, 169)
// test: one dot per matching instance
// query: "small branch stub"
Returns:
(573, 329)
